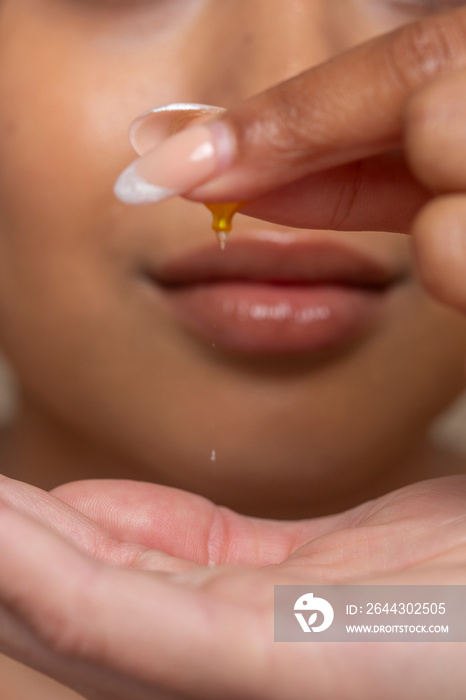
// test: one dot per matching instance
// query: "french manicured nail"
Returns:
(186, 160)
(154, 126)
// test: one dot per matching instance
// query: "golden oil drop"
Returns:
(223, 214)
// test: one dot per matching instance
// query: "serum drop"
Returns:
(223, 214)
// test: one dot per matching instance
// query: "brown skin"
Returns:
(110, 388)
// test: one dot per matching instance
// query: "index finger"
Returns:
(347, 109)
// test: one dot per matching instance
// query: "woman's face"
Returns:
(100, 342)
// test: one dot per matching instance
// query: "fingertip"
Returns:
(435, 138)
(439, 234)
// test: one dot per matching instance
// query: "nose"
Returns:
(252, 44)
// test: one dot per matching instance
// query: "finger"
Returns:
(188, 526)
(354, 197)
(50, 511)
(439, 234)
(48, 607)
(344, 110)
(81, 530)
(435, 134)
(143, 627)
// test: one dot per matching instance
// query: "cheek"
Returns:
(66, 104)
(53, 198)
(62, 143)
(70, 85)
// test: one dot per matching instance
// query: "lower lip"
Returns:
(259, 318)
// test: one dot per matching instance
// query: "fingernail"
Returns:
(184, 161)
(152, 127)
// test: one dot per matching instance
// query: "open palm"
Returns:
(130, 590)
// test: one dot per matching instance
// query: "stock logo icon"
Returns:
(307, 603)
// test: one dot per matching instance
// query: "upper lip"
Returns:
(308, 261)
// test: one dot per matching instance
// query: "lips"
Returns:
(266, 297)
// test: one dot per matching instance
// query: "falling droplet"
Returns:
(223, 214)
(222, 238)
(213, 456)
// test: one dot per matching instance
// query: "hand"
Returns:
(142, 591)
(386, 122)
